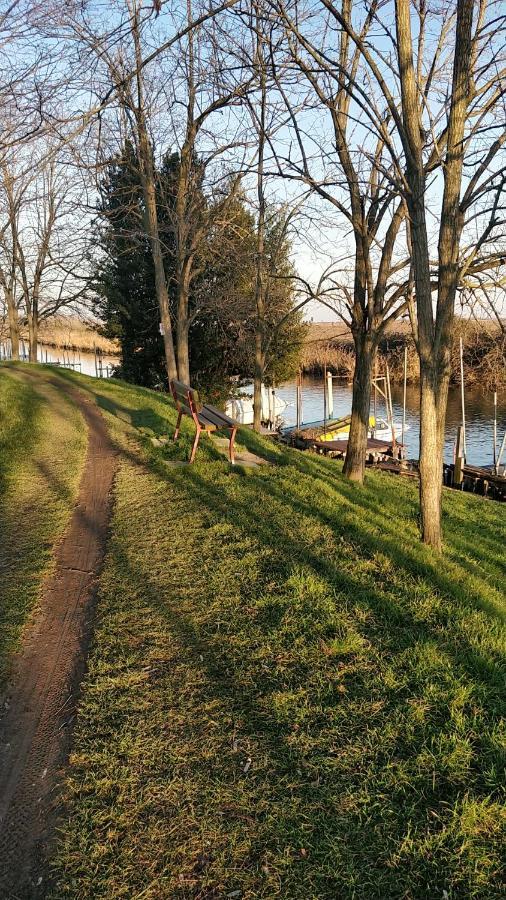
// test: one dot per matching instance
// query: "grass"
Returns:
(42, 446)
(287, 695)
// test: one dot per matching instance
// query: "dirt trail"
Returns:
(39, 708)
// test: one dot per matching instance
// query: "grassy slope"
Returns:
(38, 487)
(287, 695)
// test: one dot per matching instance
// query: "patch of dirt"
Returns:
(39, 707)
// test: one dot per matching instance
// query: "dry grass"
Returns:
(71, 333)
(330, 344)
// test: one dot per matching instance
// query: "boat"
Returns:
(240, 408)
(339, 429)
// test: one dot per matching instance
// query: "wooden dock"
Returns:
(477, 480)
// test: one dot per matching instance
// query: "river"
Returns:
(479, 415)
(479, 408)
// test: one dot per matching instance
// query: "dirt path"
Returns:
(39, 708)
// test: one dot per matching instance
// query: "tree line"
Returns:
(368, 136)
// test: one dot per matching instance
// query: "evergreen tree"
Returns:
(124, 279)
(222, 308)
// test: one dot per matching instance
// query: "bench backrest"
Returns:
(186, 399)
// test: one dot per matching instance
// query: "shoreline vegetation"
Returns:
(330, 345)
(69, 333)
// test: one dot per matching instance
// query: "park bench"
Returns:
(206, 417)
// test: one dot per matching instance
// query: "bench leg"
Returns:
(195, 443)
(231, 445)
(176, 433)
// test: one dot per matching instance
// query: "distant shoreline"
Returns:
(330, 345)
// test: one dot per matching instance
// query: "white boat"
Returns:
(382, 431)
(241, 408)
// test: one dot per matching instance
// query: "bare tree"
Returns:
(191, 85)
(44, 240)
(346, 162)
(443, 82)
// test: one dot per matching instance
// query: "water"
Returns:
(79, 360)
(479, 408)
(479, 415)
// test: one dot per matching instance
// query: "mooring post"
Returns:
(389, 406)
(325, 400)
(404, 395)
(330, 395)
(462, 399)
(458, 472)
(501, 451)
(298, 401)
(495, 432)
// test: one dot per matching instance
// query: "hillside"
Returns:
(286, 695)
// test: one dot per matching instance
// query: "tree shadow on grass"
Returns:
(228, 680)
(371, 536)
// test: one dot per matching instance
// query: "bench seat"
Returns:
(206, 417)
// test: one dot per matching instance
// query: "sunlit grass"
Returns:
(42, 446)
(288, 695)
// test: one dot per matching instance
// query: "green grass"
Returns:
(287, 695)
(42, 446)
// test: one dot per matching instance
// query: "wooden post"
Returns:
(95, 354)
(462, 398)
(298, 401)
(458, 474)
(375, 395)
(389, 408)
(325, 400)
(330, 395)
(404, 395)
(503, 445)
(495, 432)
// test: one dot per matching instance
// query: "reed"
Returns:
(68, 333)
(484, 350)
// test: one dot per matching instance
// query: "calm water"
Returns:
(479, 415)
(479, 408)
(81, 361)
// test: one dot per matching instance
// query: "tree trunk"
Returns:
(147, 174)
(354, 464)
(33, 336)
(162, 293)
(13, 325)
(183, 325)
(33, 326)
(260, 278)
(433, 400)
(183, 353)
(258, 379)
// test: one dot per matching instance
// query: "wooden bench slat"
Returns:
(221, 416)
(207, 423)
(216, 418)
(184, 392)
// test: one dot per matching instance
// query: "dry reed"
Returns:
(484, 352)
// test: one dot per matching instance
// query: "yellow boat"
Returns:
(340, 430)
